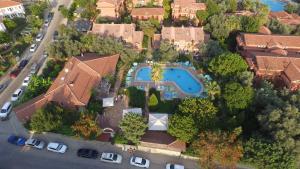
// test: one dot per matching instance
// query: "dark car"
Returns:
(50, 16)
(55, 36)
(3, 86)
(15, 73)
(16, 140)
(87, 153)
(23, 63)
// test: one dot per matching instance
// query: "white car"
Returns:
(174, 166)
(33, 68)
(35, 143)
(16, 95)
(111, 158)
(139, 162)
(39, 37)
(26, 81)
(5, 110)
(33, 48)
(57, 147)
(46, 22)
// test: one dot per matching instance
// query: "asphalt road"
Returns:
(14, 157)
(34, 57)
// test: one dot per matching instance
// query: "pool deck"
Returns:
(148, 85)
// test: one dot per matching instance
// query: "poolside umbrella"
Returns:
(158, 122)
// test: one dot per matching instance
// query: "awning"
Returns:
(158, 122)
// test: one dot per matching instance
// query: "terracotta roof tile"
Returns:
(147, 11)
(124, 31)
(192, 4)
(80, 74)
(255, 40)
(183, 33)
(286, 18)
(292, 72)
(7, 3)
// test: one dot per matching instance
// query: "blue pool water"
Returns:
(274, 5)
(183, 79)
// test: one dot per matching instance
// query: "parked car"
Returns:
(111, 158)
(23, 63)
(50, 16)
(5, 110)
(26, 81)
(47, 22)
(35, 143)
(139, 162)
(16, 95)
(39, 37)
(57, 147)
(33, 47)
(3, 86)
(45, 54)
(174, 166)
(87, 153)
(16, 140)
(55, 36)
(33, 68)
(15, 73)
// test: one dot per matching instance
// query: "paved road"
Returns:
(13, 157)
(34, 57)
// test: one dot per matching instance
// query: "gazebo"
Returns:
(158, 122)
(108, 102)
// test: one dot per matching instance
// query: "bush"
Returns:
(153, 101)
(52, 69)
(145, 41)
(119, 139)
(136, 97)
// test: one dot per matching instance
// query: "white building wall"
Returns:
(13, 11)
(2, 27)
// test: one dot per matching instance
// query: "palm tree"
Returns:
(156, 73)
(213, 89)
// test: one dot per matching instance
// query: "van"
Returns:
(5, 110)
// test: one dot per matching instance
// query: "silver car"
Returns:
(35, 143)
(111, 158)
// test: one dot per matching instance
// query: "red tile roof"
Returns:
(192, 4)
(147, 11)
(255, 40)
(80, 74)
(286, 18)
(7, 3)
(188, 34)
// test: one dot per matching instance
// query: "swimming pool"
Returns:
(181, 77)
(274, 5)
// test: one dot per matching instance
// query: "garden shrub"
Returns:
(153, 101)
(136, 97)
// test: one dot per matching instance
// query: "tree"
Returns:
(167, 8)
(291, 8)
(283, 124)
(182, 127)
(47, 119)
(86, 127)
(266, 155)
(237, 97)
(37, 9)
(202, 15)
(250, 24)
(232, 4)
(166, 52)
(277, 27)
(211, 49)
(34, 21)
(133, 127)
(246, 78)
(28, 38)
(4, 37)
(227, 65)
(9, 24)
(37, 86)
(153, 101)
(136, 97)
(156, 73)
(221, 30)
(213, 90)
(203, 111)
(217, 148)
(212, 7)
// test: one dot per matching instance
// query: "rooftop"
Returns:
(183, 33)
(147, 11)
(192, 4)
(8, 3)
(286, 18)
